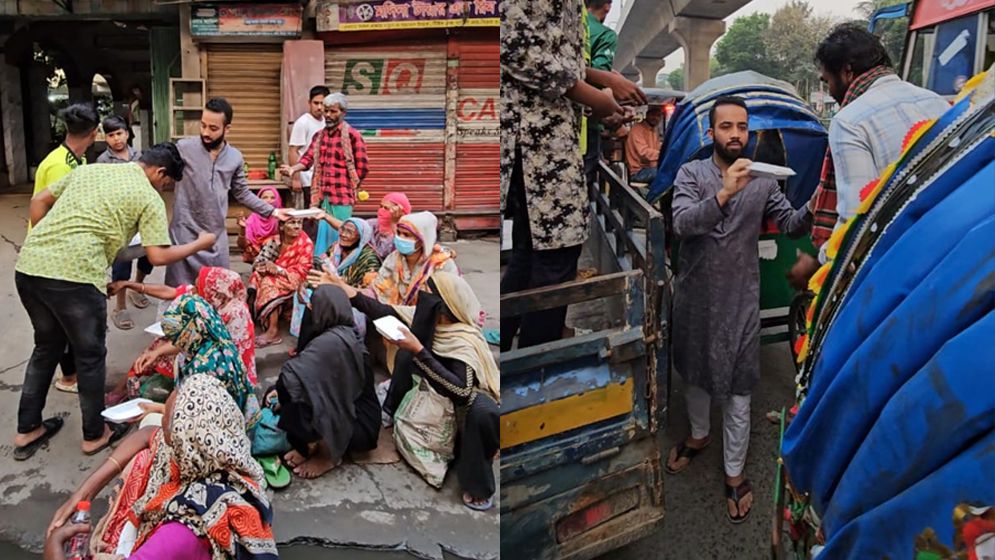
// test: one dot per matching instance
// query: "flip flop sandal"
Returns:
(736, 494)
(277, 475)
(260, 343)
(480, 507)
(52, 427)
(492, 336)
(685, 452)
(139, 300)
(122, 319)
(118, 431)
(66, 387)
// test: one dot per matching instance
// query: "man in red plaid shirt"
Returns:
(338, 155)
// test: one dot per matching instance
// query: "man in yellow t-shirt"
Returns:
(81, 131)
(81, 223)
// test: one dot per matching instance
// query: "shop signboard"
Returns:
(377, 15)
(245, 20)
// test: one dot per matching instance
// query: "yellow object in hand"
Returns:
(363, 196)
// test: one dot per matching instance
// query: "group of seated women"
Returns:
(201, 375)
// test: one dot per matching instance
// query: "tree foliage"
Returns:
(743, 47)
(781, 45)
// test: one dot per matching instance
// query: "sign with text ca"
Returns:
(245, 20)
(407, 14)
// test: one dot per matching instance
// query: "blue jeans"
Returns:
(64, 313)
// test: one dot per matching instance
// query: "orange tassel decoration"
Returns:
(801, 348)
(819, 278)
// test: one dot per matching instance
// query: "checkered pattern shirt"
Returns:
(334, 180)
(867, 135)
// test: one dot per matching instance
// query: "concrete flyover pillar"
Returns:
(696, 35)
(648, 69)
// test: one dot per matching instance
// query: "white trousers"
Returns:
(735, 425)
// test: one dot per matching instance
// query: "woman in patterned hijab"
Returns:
(189, 489)
(194, 327)
(203, 476)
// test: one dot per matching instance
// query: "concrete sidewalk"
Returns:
(374, 507)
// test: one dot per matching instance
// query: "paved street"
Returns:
(696, 525)
(374, 507)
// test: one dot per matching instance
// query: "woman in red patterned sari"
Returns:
(278, 272)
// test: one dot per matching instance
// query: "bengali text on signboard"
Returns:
(415, 14)
(245, 20)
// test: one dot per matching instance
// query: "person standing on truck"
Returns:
(602, 41)
(877, 109)
(542, 169)
(718, 209)
(642, 147)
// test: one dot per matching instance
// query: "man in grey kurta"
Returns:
(214, 168)
(718, 212)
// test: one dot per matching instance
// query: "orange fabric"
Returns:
(642, 147)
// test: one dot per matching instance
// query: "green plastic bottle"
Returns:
(271, 167)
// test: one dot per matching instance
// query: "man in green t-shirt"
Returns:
(602, 42)
(80, 224)
(81, 131)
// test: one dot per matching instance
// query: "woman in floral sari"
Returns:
(151, 376)
(416, 257)
(191, 488)
(279, 271)
(256, 230)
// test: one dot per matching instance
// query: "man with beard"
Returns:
(718, 211)
(214, 168)
(877, 109)
(339, 154)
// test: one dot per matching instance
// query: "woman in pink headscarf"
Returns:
(393, 207)
(256, 230)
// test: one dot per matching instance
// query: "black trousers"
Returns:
(593, 155)
(64, 313)
(528, 269)
(479, 441)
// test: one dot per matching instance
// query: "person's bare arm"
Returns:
(158, 291)
(602, 105)
(105, 473)
(625, 91)
(40, 205)
(169, 254)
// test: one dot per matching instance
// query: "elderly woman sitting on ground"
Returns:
(152, 374)
(445, 346)
(278, 273)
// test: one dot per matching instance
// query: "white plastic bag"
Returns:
(425, 431)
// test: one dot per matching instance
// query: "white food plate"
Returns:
(758, 169)
(389, 327)
(125, 411)
(306, 213)
(155, 329)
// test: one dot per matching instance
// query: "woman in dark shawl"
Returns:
(327, 401)
(445, 346)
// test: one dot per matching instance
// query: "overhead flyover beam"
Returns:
(647, 30)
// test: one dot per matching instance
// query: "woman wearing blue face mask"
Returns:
(416, 257)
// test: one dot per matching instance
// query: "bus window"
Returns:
(989, 40)
(921, 60)
(953, 55)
